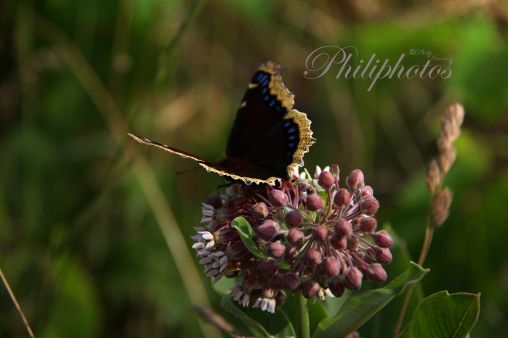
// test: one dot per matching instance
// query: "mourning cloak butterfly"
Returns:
(268, 139)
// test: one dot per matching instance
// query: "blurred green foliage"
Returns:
(79, 242)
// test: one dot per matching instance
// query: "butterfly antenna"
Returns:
(185, 171)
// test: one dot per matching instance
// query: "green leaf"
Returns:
(262, 324)
(246, 234)
(444, 315)
(224, 285)
(360, 307)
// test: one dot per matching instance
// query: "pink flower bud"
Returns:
(331, 266)
(336, 287)
(367, 191)
(342, 197)
(383, 239)
(369, 206)
(291, 281)
(278, 198)
(339, 242)
(295, 237)
(293, 218)
(383, 255)
(291, 254)
(343, 228)
(277, 249)
(355, 179)
(353, 278)
(267, 268)
(368, 224)
(310, 288)
(320, 233)
(326, 180)
(376, 273)
(259, 210)
(314, 202)
(268, 229)
(313, 257)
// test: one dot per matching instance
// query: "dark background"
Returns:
(87, 216)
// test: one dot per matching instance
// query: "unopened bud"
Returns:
(268, 229)
(342, 197)
(314, 202)
(320, 232)
(339, 242)
(369, 206)
(383, 255)
(293, 218)
(278, 198)
(343, 228)
(355, 179)
(291, 254)
(268, 267)
(353, 278)
(331, 266)
(313, 257)
(367, 191)
(310, 288)
(336, 287)
(326, 180)
(295, 237)
(277, 249)
(368, 224)
(383, 239)
(376, 273)
(259, 210)
(291, 281)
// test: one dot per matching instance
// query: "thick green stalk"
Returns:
(302, 317)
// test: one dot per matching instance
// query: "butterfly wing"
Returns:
(164, 147)
(268, 138)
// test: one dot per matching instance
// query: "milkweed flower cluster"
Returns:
(314, 235)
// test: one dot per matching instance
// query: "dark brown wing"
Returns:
(269, 137)
(164, 147)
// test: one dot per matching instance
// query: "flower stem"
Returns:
(302, 313)
(429, 232)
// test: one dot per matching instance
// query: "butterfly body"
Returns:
(268, 139)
